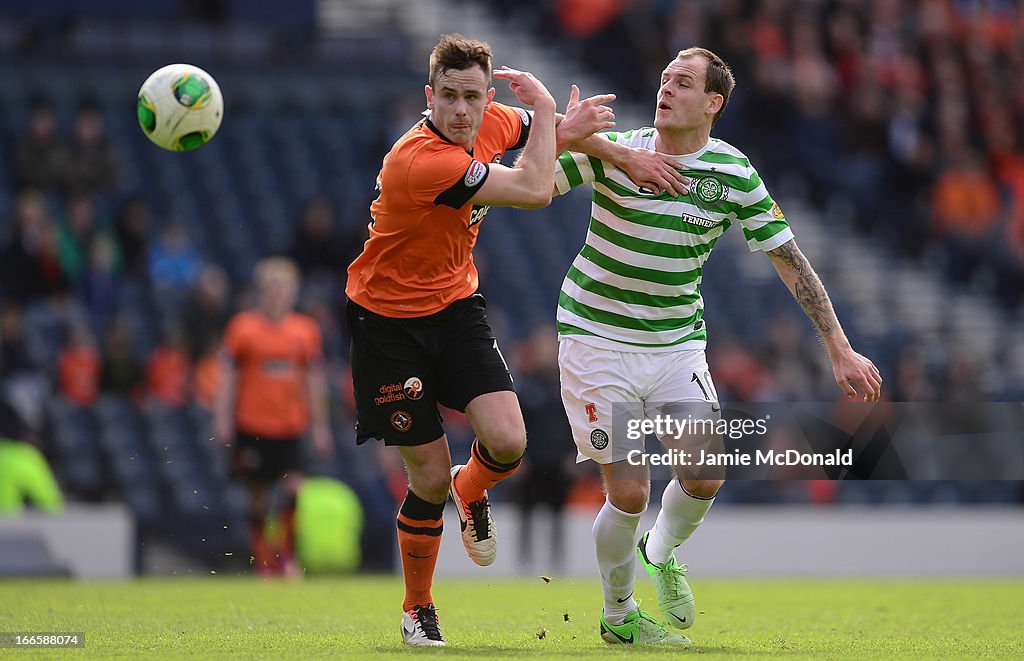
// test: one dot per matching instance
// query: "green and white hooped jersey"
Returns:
(636, 281)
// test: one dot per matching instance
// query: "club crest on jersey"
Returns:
(709, 189)
(474, 174)
(599, 439)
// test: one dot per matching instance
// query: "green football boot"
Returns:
(639, 628)
(674, 595)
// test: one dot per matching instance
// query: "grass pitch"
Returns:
(231, 618)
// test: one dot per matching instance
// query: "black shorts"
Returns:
(264, 460)
(403, 368)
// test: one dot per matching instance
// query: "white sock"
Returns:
(680, 515)
(615, 537)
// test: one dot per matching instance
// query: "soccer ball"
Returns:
(180, 107)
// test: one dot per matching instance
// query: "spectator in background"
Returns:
(168, 371)
(30, 266)
(865, 130)
(318, 248)
(206, 377)
(174, 263)
(100, 283)
(14, 358)
(913, 383)
(25, 385)
(206, 315)
(76, 235)
(122, 374)
(207, 311)
(78, 366)
(132, 226)
(92, 161)
(1007, 161)
(792, 364)
(272, 387)
(965, 207)
(739, 377)
(586, 18)
(42, 159)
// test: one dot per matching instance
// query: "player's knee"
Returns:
(430, 480)
(629, 495)
(702, 488)
(506, 445)
(432, 487)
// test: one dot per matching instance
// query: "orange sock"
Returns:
(287, 553)
(481, 473)
(419, 538)
(263, 559)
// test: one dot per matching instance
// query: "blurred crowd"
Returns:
(909, 111)
(80, 255)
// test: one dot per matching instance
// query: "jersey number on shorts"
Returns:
(703, 382)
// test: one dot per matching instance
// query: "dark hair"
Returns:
(457, 52)
(718, 79)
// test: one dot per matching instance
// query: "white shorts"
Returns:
(603, 390)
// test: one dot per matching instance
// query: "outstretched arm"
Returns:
(657, 172)
(649, 169)
(851, 370)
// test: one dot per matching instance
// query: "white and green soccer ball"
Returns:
(180, 107)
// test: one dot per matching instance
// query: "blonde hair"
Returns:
(276, 267)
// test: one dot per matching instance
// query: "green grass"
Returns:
(359, 618)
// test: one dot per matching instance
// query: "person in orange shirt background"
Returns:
(79, 366)
(169, 369)
(273, 388)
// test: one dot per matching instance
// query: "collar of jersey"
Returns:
(430, 125)
(695, 154)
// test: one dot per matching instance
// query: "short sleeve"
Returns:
(514, 124)
(764, 225)
(447, 175)
(573, 169)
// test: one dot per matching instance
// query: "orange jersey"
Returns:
(79, 369)
(167, 375)
(419, 257)
(271, 360)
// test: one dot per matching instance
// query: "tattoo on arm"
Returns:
(807, 288)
